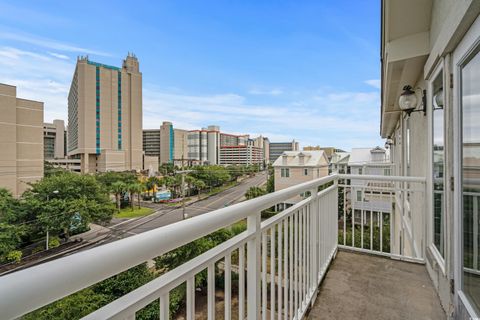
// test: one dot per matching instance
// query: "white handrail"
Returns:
(381, 178)
(29, 289)
(32, 288)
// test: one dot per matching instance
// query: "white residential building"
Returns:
(339, 162)
(295, 167)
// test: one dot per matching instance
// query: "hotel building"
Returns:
(105, 116)
(21, 141)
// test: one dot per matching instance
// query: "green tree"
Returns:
(49, 169)
(213, 176)
(167, 169)
(254, 192)
(134, 189)
(110, 177)
(151, 183)
(271, 179)
(78, 199)
(199, 186)
(10, 239)
(118, 188)
(74, 306)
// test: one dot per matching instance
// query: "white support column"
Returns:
(253, 267)
(313, 241)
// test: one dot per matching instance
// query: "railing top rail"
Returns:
(382, 178)
(31, 288)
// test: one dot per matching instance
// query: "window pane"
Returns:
(471, 177)
(438, 164)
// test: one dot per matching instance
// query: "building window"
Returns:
(119, 110)
(97, 113)
(387, 172)
(305, 172)
(285, 172)
(360, 170)
(359, 195)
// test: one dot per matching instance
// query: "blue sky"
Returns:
(304, 70)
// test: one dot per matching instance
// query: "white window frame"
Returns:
(430, 227)
(469, 43)
(359, 195)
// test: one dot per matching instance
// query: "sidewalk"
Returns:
(94, 232)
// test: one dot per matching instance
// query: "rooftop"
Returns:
(294, 158)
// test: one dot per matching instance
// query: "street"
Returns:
(169, 215)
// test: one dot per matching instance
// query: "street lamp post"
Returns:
(48, 199)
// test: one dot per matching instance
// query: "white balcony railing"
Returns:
(280, 262)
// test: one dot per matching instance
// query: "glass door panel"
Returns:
(470, 100)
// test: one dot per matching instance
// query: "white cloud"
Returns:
(38, 76)
(269, 92)
(59, 56)
(329, 117)
(376, 83)
(48, 43)
(334, 118)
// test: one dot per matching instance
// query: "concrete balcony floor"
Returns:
(360, 286)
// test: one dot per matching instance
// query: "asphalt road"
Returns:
(168, 215)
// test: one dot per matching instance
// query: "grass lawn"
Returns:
(135, 213)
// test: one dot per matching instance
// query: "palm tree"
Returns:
(133, 188)
(139, 189)
(118, 188)
(151, 183)
(199, 185)
(169, 183)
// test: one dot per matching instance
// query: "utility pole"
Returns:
(48, 233)
(183, 172)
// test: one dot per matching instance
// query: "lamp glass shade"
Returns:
(438, 100)
(407, 101)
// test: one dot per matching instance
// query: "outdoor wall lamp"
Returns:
(438, 99)
(408, 101)
(388, 143)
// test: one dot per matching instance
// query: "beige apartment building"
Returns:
(180, 146)
(105, 116)
(294, 167)
(54, 140)
(21, 140)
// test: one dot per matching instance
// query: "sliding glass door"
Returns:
(470, 175)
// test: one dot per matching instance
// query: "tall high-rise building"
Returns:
(54, 140)
(276, 149)
(204, 145)
(180, 145)
(167, 142)
(105, 116)
(21, 141)
(151, 142)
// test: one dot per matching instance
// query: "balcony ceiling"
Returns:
(405, 49)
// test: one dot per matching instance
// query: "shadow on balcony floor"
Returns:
(359, 286)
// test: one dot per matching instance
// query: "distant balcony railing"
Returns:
(279, 262)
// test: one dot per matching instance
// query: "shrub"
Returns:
(53, 242)
(14, 256)
(37, 249)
